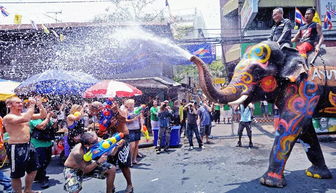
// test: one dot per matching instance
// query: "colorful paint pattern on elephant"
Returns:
(300, 103)
(332, 100)
(259, 52)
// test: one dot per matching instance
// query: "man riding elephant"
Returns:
(310, 33)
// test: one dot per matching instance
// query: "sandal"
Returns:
(129, 190)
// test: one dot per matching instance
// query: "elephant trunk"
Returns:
(224, 96)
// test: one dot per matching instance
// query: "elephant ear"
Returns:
(294, 68)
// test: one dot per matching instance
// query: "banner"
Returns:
(205, 51)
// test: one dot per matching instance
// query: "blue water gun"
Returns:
(106, 116)
(102, 147)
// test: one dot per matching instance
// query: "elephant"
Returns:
(281, 76)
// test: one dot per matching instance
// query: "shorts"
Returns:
(123, 157)
(205, 130)
(74, 177)
(227, 113)
(23, 158)
(155, 124)
(134, 135)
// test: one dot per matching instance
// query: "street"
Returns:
(220, 167)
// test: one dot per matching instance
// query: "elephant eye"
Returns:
(258, 73)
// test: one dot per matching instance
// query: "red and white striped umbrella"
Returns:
(111, 88)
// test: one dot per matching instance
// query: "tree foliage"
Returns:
(132, 10)
(181, 72)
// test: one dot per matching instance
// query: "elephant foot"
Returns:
(274, 180)
(318, 172)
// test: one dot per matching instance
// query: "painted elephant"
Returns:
(279, 76)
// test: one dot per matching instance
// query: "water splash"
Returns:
(101, 51)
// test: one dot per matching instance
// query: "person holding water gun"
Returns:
(134, 124)
(75, 167)
(117, 124)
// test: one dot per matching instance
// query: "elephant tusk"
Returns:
(238, 101)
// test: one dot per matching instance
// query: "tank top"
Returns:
(308, 33)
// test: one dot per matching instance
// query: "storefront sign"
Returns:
(248, 12)
(205, 51)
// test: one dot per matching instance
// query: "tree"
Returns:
(132, 10)
(181, 72)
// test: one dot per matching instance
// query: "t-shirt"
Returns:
(246, 114)
(35, 142)
(204, 115)
(217, 107)
(226, 108)
(153, 113)
(192, 118)
(164, 118)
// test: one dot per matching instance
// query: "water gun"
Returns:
(102, 147)
(144, 130)
(137, 111)
(106, 116)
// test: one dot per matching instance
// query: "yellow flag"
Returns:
(17, 19)
(45, 29)
(61, 37)
(316, 18)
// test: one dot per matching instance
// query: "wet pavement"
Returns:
(220, 167)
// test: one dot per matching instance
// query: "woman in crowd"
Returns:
(134, 125)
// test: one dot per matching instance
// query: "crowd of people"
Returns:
(33, 124)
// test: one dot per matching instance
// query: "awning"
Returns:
(229, 7)
(151, 82)
(7, 88)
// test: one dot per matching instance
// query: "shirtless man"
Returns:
(75, 166)
(118, 124)
(21, 153)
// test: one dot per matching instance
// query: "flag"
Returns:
(61, 37)
(327, 21)
(55, 33)
(45, 29)
(34, 24)
(333, 12)
(4, 12)
(316, 18)
(17, 19)
(299, 19)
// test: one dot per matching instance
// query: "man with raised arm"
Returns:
(21, 153)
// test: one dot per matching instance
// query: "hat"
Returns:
(166, 101)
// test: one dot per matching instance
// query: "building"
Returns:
(89, 47)
(250, 21)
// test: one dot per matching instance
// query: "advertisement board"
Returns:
(324, 125)
(248, 12)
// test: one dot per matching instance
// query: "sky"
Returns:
(79, 12)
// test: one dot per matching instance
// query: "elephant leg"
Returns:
(314, 153)
(284, 142)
